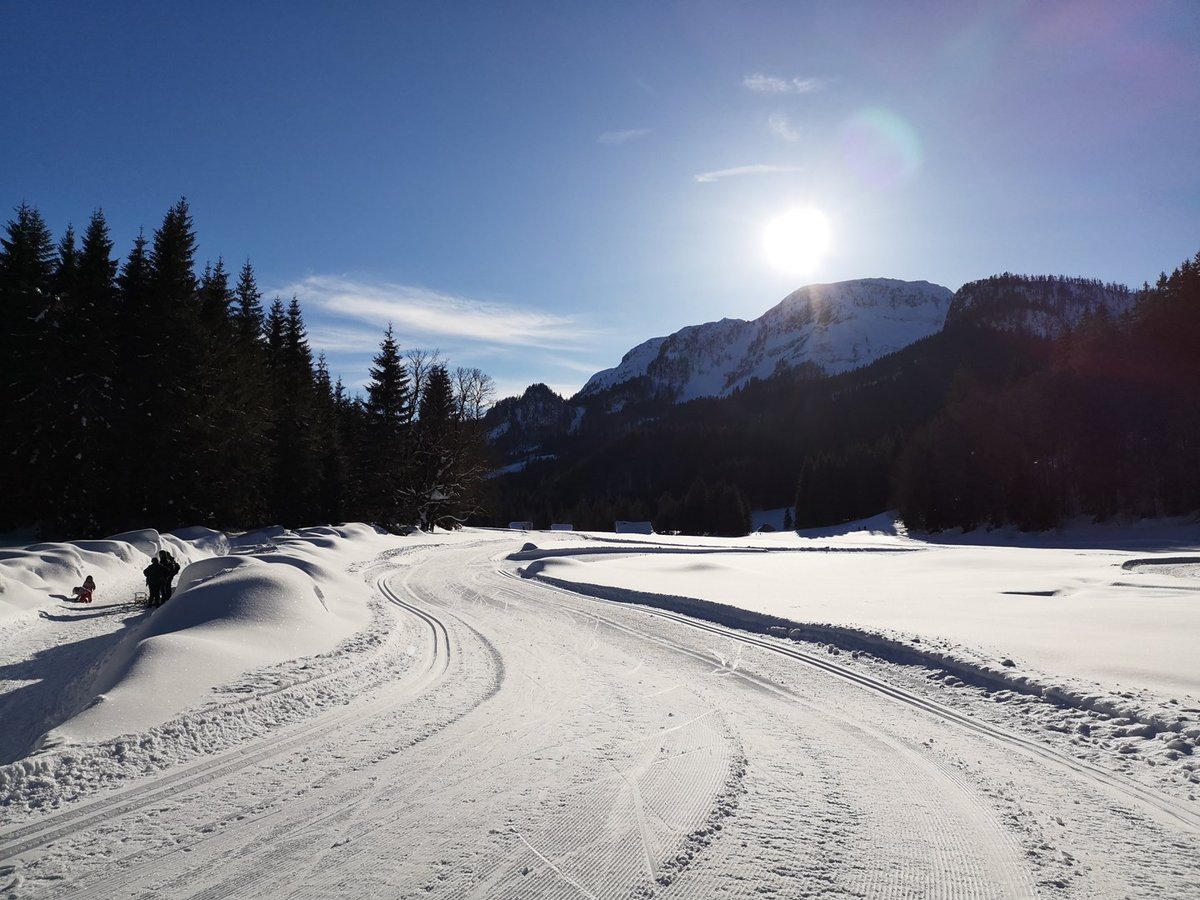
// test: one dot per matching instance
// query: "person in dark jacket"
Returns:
(158, 581)
(171, 568)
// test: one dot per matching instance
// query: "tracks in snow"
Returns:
(1158, 806)
(190, 777)
(539, 744)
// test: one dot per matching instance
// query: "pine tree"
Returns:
(217, 414)
(333, 469)
(172, 402)
(435, 453)
(67, 270)
(294, 464)
(249, 406)
(79, 499)
(132, 388)
(249, 309)
(387, 417)
(27, 263)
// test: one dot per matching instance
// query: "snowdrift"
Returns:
(229, 615)
(262, 630)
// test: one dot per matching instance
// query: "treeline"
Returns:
(1108, 426)
(142, 394)
(981, 424)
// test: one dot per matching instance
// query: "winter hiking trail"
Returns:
(1171, 812)
(545, 744)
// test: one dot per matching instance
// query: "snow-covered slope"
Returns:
(946, 713)
(834, 327)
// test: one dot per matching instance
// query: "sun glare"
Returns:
(797, 241)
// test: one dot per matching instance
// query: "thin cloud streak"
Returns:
(332, 338)
(575, 365)
(622, 137)
(770, 84)
(740, 171)
(425, 317)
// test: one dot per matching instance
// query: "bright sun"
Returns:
(796, 241)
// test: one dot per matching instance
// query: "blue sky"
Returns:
(535, 187)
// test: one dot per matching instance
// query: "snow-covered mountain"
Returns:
(831, 327)
(825, 329)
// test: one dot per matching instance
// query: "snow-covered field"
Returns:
(337, 712)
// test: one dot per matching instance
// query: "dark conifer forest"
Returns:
(151, 393)
(142, 394)
(986, 423)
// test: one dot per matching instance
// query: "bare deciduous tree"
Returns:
(473, 393)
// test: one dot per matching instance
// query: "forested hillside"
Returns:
(1034, 404)
(142, 394)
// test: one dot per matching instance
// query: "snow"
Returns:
(520, 465)
(1106, 611)
(837, 327)
(309, 701)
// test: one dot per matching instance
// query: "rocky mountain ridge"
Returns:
(820, 330)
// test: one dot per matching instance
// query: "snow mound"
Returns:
(229, 615)
(31, 576)
(146, 541)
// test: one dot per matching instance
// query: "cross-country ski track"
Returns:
(527, 741)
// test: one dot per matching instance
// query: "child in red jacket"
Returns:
(84, 594)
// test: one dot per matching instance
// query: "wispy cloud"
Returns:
(621, 137)
(770, 84)
(781, 127)
(574, 364)
(739, 171)
(424, 317)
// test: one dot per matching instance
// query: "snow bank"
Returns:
(249, 641)
(228, 615)
(1071, 620)
(41, 575)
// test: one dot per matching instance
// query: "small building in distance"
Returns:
(521, 526)
(623, 527)
(561, 526)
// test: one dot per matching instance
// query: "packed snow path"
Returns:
(532, 743)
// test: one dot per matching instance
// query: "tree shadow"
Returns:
(90, 613)
(57, 682)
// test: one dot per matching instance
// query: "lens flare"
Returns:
(881, 149)
(797, 241)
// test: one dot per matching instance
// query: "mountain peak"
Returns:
(833, 327)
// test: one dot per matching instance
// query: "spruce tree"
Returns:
(217, 412)
(387, 416)
(27, 266)
(249, 308)
(248, 406)
(79, 499)
(332, 467)
(293, 456)
(436, 450)
(172, 390)
(132, 388)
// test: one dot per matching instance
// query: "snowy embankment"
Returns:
(1101, 621)
(262, 630)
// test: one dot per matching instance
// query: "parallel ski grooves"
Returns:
(1136, 792)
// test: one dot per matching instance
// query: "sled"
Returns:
(141, 598)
